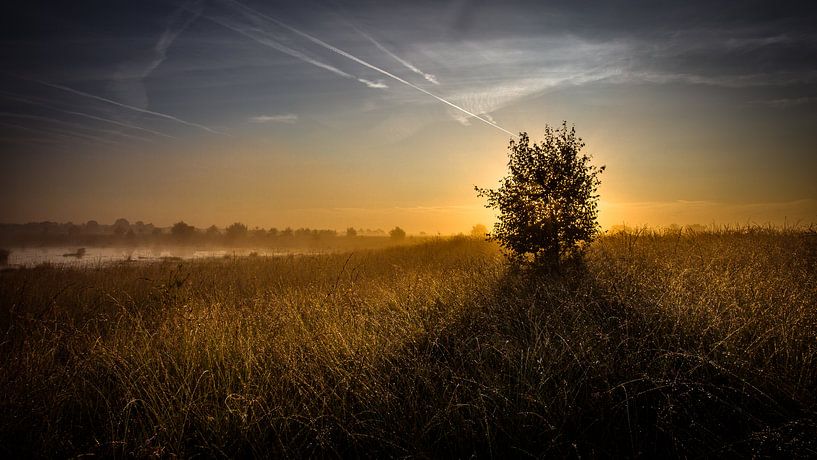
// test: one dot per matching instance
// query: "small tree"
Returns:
(547, 203)
(182, 231)
(121, 226)
(397, 233)
(351, 232)
(236, 231)
(479, 231)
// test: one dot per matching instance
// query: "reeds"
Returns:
(683, 344)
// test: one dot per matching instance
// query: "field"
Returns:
(678, 345)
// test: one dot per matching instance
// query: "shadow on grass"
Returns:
(557, 366)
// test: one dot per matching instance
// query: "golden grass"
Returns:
(678, 344)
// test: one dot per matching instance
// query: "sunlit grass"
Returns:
(683, 344)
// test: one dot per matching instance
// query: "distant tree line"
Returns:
(123, 232)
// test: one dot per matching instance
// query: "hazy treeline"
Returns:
(123, 232)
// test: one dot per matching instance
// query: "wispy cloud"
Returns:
(84, 115)
(40, 133)
(702, 211)
(253, 27)
(498, 73)
(126, 106)
(74, 127)
(260, 37)
(127, 87)
(746, 80)
(286, 118)
(366, 64)
(379, 84)
(784, 102)
(179, 21)
(127, 83)
(429, 77)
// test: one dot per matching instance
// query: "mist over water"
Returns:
(95, 256)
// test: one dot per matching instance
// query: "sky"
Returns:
(373, 114)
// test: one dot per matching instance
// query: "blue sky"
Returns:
(378, 114)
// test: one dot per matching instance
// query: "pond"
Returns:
(95, 256)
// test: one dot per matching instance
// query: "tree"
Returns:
(92, 227)
(397, 233)
(351, 232)
(479, 231)
(547, 203)
(259, 233)
(236, 231)
(182, 231)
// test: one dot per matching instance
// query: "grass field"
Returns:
(678, 345)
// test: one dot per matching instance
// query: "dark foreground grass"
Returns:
(682, 345)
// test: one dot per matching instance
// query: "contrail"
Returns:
(38, 132)
(173, 30)
(429, 77)
(370, 66)
(57, 130)
(124, 125)
(126, 106)
(74, 126)
(266, 41)
(86, 115)
(281, 47)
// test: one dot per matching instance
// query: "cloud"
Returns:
(127, 106)
(749, 80)
(373, 84)
(286, 118)
(84, 115)
(64, 132)
(256, 27)
(501, 72)
(802, 211)
(368, 65)
(785, 102)
(127, 83)
(429, 77)
(177, 24)
(260, 37)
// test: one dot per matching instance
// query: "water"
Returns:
(58, 256)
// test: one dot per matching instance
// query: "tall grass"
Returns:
(678, 344)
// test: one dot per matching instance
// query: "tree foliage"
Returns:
(479, 231)
(182, 231)
(548, 202)
(236, 231)
(397, 233)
